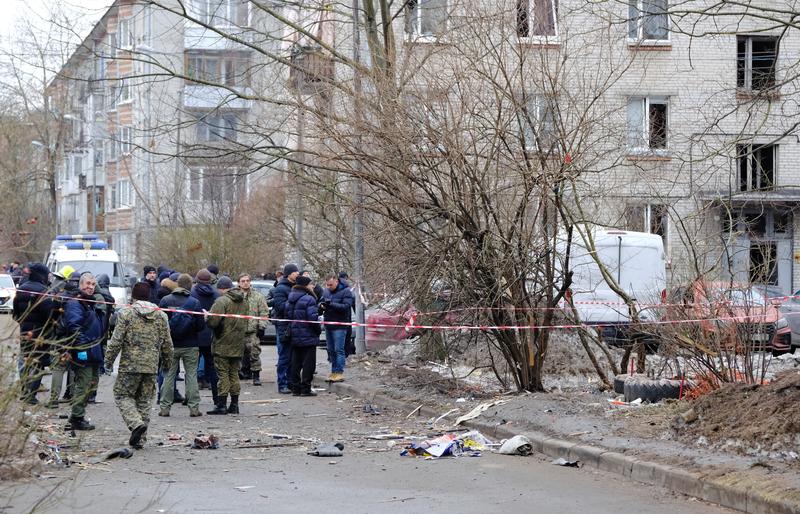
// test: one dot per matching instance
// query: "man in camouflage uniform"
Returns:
(228, 343)
(258, 307)
(141, 335)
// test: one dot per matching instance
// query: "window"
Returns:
(113, 199)
(111, 150)
(647, 124)
(147, 24)
(756, 166)
(764, 262)
(216, 128)
(648, 20)
(221, 12)
(77, 164)
(756, 59)
(124, 90)
(99, 153)
(235, 71)
(195, 184)
(112, 46)
(538, 123)
(650, 218)
(426, 18)
(112, 97)
(203, 68)
(537, 18)
(125, 193)
(125, 37)
(125, 136)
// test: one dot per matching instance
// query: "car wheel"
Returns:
(650, 390)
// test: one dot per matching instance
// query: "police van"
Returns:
(86, 252)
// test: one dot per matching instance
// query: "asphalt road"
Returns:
(167, 476)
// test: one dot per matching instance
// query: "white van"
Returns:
(86, 252)
(634, 259)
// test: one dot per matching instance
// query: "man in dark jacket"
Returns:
(151, 277)
(85, 326)
(304, 334)
(184, 329)
(206, 294)
(33, 311)
(337, 306)
(280, 295)
(105, 305)
(228, 342)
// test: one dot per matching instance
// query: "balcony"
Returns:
(311, 70)
(196, 37)
(212, 97)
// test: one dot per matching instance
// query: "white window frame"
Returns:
(553, 4)
(748, 72)
(125, 33)
(635, 9)
(748, 152)
(124, 88)
(216, 128)
(113, 198)
(125, 192)
(147, 25)
(125, 138)
(647, 211)
(415, 23)
(644, 128)
(207, 12)
(537, 110)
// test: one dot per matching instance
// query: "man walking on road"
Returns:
(85, 325)
(336, 305)
(305, 331)
(280, 295)
(140, 337)
(228, 343)
(184, 328)
(257, 305)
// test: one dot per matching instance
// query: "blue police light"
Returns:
(77, 237)
(94, 245)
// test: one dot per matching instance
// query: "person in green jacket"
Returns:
(140, 337)
(228, 342)
(258, 308)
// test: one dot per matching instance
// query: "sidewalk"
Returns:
(590, 430)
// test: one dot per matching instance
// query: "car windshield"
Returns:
(6, 281)
(112, 269)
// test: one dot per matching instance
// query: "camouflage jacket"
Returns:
(141, 336)
(258, 307)
(229, 333)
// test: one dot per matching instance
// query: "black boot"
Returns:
(137, 433)
(79, 424)
(256, 378)
(220, 408)
(234, 408)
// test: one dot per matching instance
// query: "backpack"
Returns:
(183, 325)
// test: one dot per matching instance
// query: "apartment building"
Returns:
(154, 101)
(673, 124)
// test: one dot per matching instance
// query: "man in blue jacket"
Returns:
(280, 295)
(85, 327)
(34, 313)
(336, 305)
(305, 329)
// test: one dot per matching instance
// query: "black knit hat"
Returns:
(141, 291)
(148, 269)
(289, 269)
(302, 281)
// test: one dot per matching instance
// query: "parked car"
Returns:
(394, 312)
(774, 294)
(734, 311)
(791, 312)
(8, 289)
(265, 287)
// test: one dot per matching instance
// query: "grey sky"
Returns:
(87, 12)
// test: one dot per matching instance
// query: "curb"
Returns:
(595, 457)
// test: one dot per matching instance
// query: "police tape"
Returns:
(412, 325)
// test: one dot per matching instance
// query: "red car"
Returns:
(394, 314)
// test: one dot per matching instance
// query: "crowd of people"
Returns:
(70, 325)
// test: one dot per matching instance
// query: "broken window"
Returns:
(648, 20)
(756, 165)
(764, 262)
(650, 218)
(537, 18)
(539, 124)
(426, 18)
(648, 123)
(756, 59)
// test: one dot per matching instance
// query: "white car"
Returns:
(7, 292)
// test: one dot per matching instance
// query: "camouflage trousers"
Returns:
(134, 394)
(228, 372)
(252, 352)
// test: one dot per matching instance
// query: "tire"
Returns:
(650, 390)
(619, 381)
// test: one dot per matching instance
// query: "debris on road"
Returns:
(175, 437)
(561, 461)
(119, 453)
(449, 445)
(384, 437)
(451, 411)
(205, 442)
(243, 488)
(477, 411)
(619, 403)
(419, 408)
(328, 450)
(517, 445)
(369, 409)
(259, 402)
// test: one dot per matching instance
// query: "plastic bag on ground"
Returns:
(517, 445)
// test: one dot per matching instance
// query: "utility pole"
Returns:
(358, 221)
